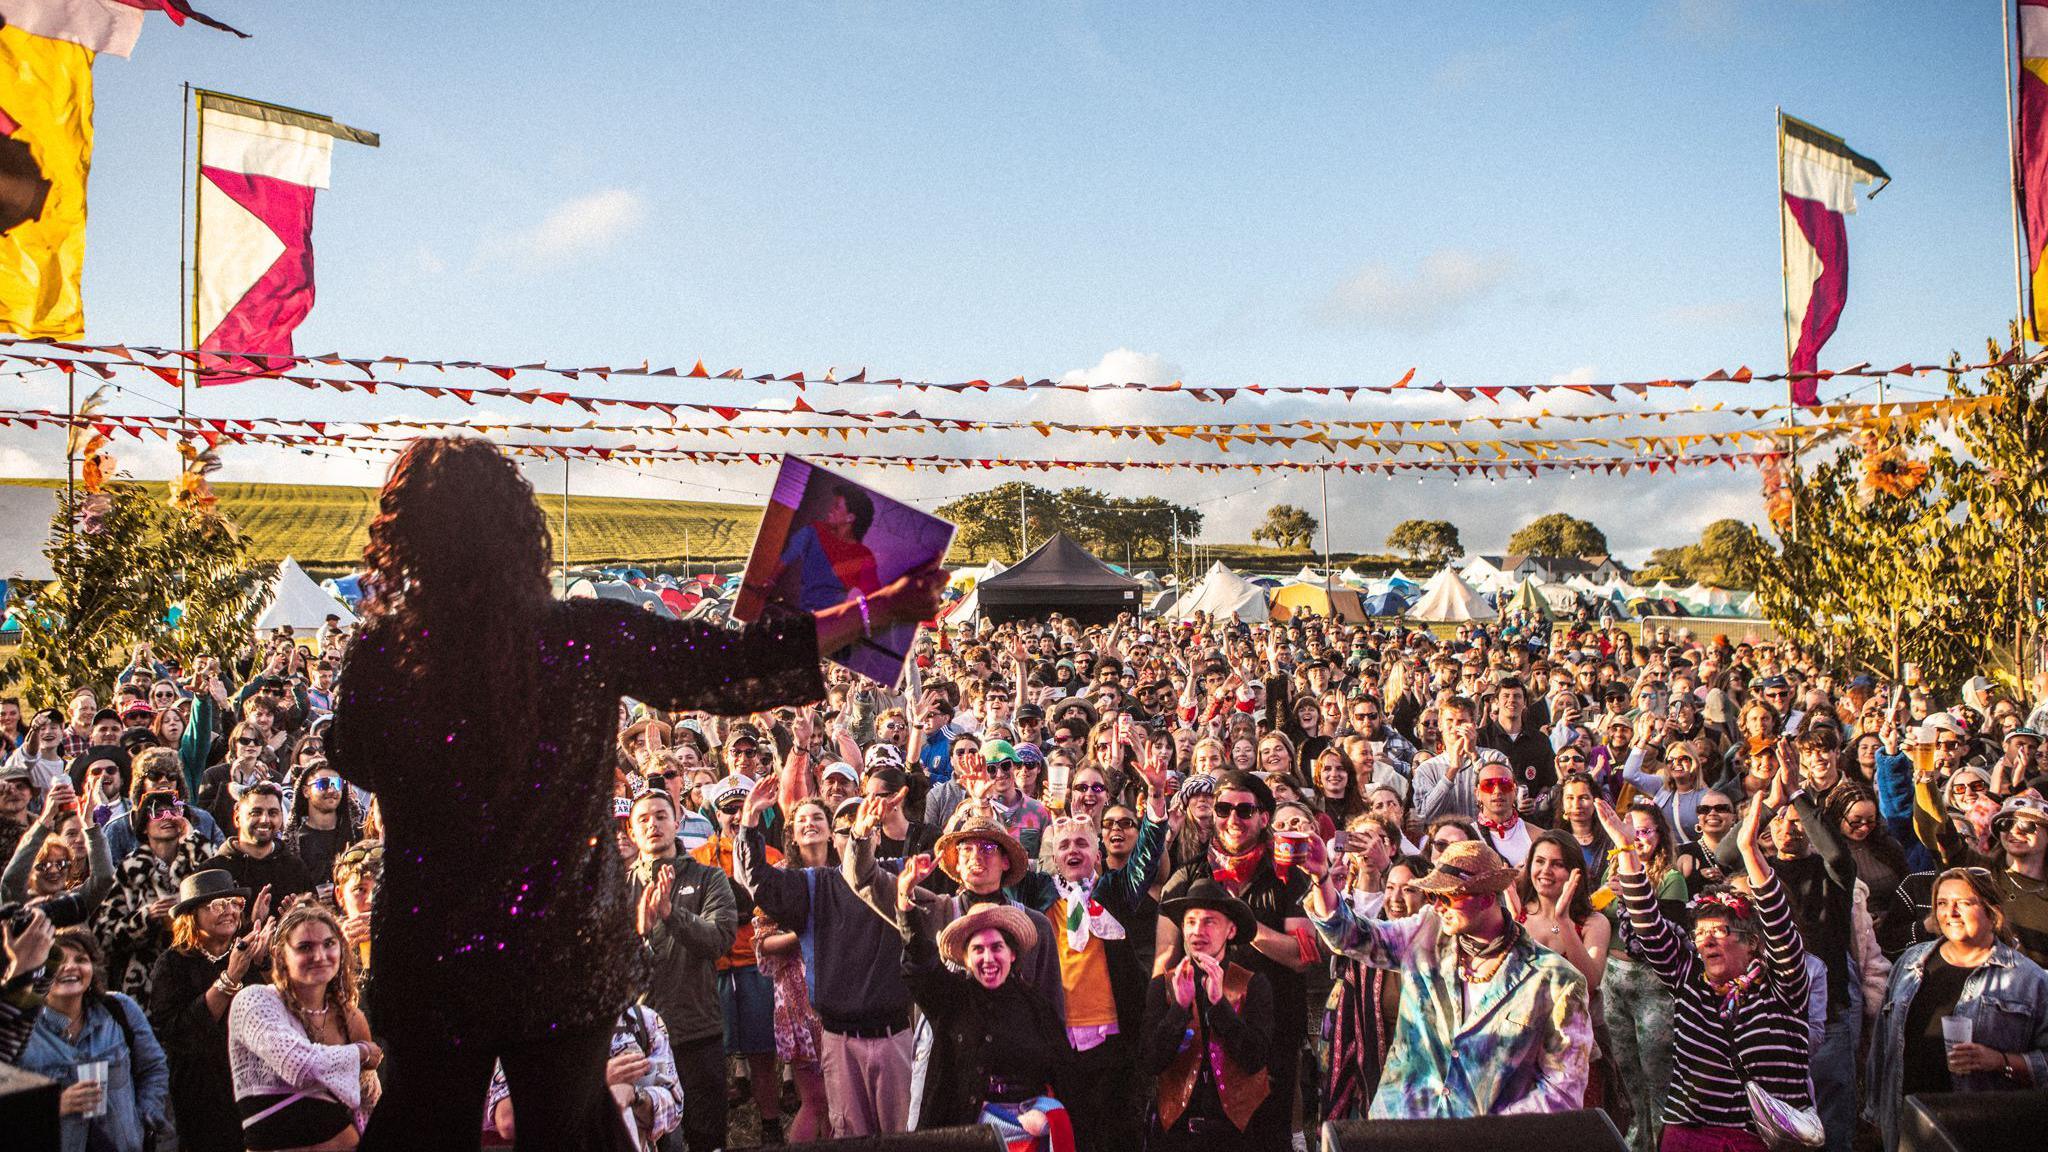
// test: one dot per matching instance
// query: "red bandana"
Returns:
(1234, 872)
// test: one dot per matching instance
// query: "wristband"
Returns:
(1305, 939)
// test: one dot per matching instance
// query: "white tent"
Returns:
(1399, 575)
(1353, 577)
(1448, 599)
(969, 577)
(1224, 593)
(1747, 606)
(296, 600)
(1307, 575)
(1563, 599)
(969, 608)
(1580, 583)
(25, 515)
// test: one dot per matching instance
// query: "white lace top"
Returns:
(271, 1055)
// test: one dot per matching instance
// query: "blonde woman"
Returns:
(304, 1064)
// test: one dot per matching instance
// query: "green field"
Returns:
(325, 527)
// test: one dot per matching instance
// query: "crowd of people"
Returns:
(1145, 883)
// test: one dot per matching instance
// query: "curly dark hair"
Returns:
(457, 583)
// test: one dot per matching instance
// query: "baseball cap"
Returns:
(840, 768)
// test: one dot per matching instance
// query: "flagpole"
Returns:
(199, 153)
(2022, 288)
(1785, 316)
(2020, 285)
(184, 174)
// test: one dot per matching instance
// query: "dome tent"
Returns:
(1449, 600)
(1225, 593)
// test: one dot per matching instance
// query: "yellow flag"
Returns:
(46, 90)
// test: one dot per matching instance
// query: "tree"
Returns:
(1432, 540)
(1558, 534)
(1725, 557)
(989, 520)
(1287, 526)
(124, 560)
(1898, 548)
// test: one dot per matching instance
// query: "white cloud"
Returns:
(1434, 293)
(584, 226)
(1583, 374)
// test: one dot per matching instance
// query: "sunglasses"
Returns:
(1447, 899)
(1676, 761)
(247, 741)
(1717, 809)
(1089, 788)
(1574, 758)
(660, 777)
(54, 867)
(1244, 811)
(324, 784)
(1118, 824)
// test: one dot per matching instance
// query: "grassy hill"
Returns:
(325, 527)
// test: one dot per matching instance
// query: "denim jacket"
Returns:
(1524, 1048)
(136, 1090)
(2007, 1001)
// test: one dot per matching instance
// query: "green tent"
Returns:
(1528, 598)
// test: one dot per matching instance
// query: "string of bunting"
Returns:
(240, 429)
(651, 455)
(171, 363)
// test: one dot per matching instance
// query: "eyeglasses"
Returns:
(1244, 811)
(660, 777)
(1948, 745)
(981, 848)
(1495, 784)
(1712, 932)
(1570, 758)
(102, 769)
(1717, 809)
(226, 904)
(1118, 824)
(1859, 822)
(1440, 845)
(1002, 766)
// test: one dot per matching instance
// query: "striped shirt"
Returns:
(1769, 1022)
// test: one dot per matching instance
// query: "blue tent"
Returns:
(1388, 603)
(349, 589)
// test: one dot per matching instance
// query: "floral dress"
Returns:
(796, 1022)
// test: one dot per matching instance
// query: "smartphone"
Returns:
(1341, 842)
(1794, 723)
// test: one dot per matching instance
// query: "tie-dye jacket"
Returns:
(1524, 1048)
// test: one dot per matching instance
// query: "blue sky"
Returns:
(1225, 194)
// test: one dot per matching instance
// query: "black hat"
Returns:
(1207, 893)
(1231, 780)
(204, 887)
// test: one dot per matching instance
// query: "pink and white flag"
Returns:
(1817, 178)
(259, 167)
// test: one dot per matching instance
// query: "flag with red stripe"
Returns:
(1817, 178)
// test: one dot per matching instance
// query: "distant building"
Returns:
(1506, 570)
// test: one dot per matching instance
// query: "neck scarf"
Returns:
(1730, 991)
(1472, 949)
(1500, 828)
(1235, 872)
(1085, 917)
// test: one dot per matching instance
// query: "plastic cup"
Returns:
(1957, 1030)
(1922, 755)
(95, 1072)
(1289, 848)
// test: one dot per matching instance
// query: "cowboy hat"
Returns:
(981, 828)
(1008, 919)
(204, 887)
(1207, 893)
(1468, 868)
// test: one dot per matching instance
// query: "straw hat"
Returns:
(984, 829)
(1468, 868)
(1008, 919)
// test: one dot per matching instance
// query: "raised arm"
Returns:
(1657, 941)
